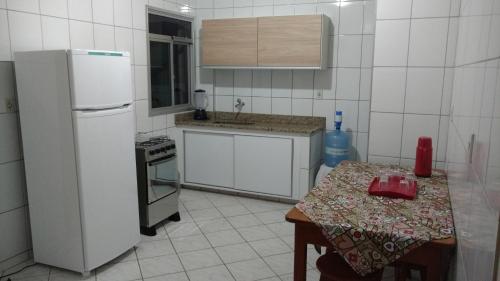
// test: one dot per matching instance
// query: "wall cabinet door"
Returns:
(263, 164)
(209, 159)
(293, 41)
(229, 42)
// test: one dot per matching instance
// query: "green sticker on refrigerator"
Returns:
(105, 54)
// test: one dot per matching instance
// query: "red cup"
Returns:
(423, 162)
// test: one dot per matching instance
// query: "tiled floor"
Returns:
(219, 238)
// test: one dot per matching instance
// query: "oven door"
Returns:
(162, 178)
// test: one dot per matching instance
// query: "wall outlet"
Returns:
(10, 104)
(319, 94)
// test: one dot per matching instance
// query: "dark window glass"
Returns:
(181, 74)
(169, 26)
(161, 82)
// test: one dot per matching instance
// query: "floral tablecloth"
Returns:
(371, 232)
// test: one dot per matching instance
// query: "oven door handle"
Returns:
(161, 160)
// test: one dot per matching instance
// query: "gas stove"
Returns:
(156, 147)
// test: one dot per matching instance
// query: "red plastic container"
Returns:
(393, 188)
(423, 162)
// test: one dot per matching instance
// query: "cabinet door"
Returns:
(208, 159)
(229, 42)
(263, 164)
(290, 41)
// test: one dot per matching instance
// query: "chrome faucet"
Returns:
(239, 105)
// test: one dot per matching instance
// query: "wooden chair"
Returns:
(333, 268)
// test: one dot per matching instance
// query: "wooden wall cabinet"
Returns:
(290, 42)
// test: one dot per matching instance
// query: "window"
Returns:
(170, 64)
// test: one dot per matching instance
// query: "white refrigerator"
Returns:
(77, 123)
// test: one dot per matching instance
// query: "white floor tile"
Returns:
(124, 271)
(282, 228)
(250, 270)
(217, 273)
(182, 229)
(154, 249)
(57, 274)
(208, 226)
(233, 210)
(257, 232)
(160, 266)
(270, 247)
(198, 204)
(235, 253)
(271, 216)
(181, 276)
(36, 270)
(225, 237)
(220, 200)
(190, 243)
(244, 220)
(281, 264)
(127, 256)
(199, 259)
(205, 214)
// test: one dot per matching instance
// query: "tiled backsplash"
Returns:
(345, 85)
(412, 78)
(51, 24)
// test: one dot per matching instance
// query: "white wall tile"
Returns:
(243, 83)
(305, 9)
(243, 12)
(241, 3)
(349, 114)
(351, 18)
(261, 83)
(123, 12)
(224, 103)
(367, 50)
(370, 15)
(388, 90)
(416, 126)
(205, 4)
(224, 82)
(385, 134)
(12, 193)
(104, 37)
(393, 9)
(80, 9)
(303, 81)
(223, 3)
(349, 50)
(281, 106)
(325, 108)
(443, 138)
(261, 105)
(13, 232)
(159, 122)
(430, 8)
(302, 107)
(263, 11)
(140, 45)
(10, 148)
(144, 123)
(282, 84)
(31, 6)
(5, 53)
(141, 82)
(348, 83)
(262, 2)
(332, 11)
(102, 11)
(7, 83)
(325, 81)
(25, 31)
(391, 43)
(363, 116)
(55, 33)
(424, 90)
(57, 8)
(205, 79)
(362, 146)
(81, 35)
(139, 14)
(223, 13)
(428, 42)
(365, 85)
(124, 41)
(284, 10)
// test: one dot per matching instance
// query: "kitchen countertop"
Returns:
(256, 122)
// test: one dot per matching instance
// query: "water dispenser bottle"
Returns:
(337, 144)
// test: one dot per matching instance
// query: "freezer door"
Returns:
(107, 182)
(99, 79)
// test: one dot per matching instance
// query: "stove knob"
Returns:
(151, 152)
(172, 146)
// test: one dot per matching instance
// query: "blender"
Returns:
(201, 104)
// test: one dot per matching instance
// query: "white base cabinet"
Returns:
(270, 164)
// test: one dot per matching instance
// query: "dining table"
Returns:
(372, 232)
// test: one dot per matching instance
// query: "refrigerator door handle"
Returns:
(89, 113)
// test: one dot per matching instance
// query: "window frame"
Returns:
(172, 40)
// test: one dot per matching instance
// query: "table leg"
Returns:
(300, 256)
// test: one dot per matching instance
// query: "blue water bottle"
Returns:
(337, 144)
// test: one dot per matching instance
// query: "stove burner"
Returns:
(153, 141)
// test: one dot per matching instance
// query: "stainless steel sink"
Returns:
(234, 122)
